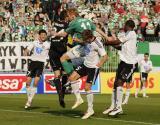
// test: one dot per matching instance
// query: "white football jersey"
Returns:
(40, 50)
(128, 53)
(93, 52)
(145, 66)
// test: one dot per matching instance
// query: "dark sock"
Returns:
(64, 81)
(58, 85)
(59, 91)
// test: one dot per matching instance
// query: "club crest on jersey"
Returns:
(39, 50)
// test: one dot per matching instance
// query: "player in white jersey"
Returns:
(40, 52)
(145, 68)
(94, 59)
(126, 67)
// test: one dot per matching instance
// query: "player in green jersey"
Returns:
(77, 25)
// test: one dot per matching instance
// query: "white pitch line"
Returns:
(95, 118)
(125, 121)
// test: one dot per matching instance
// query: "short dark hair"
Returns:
(87, 34)
(130, 23)
(42, 31)
(146, 54)
(63, 15)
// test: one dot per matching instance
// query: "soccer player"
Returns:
(95, 57)
(35, 69)
(126, 67)
(57, 49)
(76, 26)
(145, 68)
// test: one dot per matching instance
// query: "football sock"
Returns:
(90, 100)
(119, 96)
(33, 92)
(144, 91)
(113, 98)
(75, 88)
(127, 96)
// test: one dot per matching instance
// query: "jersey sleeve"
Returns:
(151, 66)
(31, 46)
(70, 29)
(125, 38)
(100, 48)
(47, 46)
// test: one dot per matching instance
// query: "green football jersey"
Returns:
(78, 25)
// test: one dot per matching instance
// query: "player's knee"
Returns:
(87, 87)
(64, 58)
(120, 82)
(28, 84)
(71, 78)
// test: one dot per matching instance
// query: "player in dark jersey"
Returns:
(57, 49)
(77, 25)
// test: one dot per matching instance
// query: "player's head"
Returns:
(146, 56)
(129, 25)
(42, 35)
(72, 13)
(87, 36)
(63, 15)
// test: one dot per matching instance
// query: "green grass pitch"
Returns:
(46, 111)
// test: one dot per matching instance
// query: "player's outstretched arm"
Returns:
(110, 40)
(102, 60)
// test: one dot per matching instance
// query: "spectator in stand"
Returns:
(39, 14)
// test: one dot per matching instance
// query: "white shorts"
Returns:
(76, 52)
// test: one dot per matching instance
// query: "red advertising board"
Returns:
(12, 83)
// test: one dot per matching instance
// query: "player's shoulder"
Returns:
(132, 33)
(97, 43)
(142, 61)
(149, 61)
(35, 42)
(46, 43)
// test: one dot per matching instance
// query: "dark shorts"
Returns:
(129, 80)
(91, 73)
(143, 76)
(35, 68)
(125, 71)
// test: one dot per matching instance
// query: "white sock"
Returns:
(33, 92)
(90, 100)
(75, 88)
(113, 99)
(127, 96)
(144, 91)
(137, 91)
(119, 96)
(28, 91)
